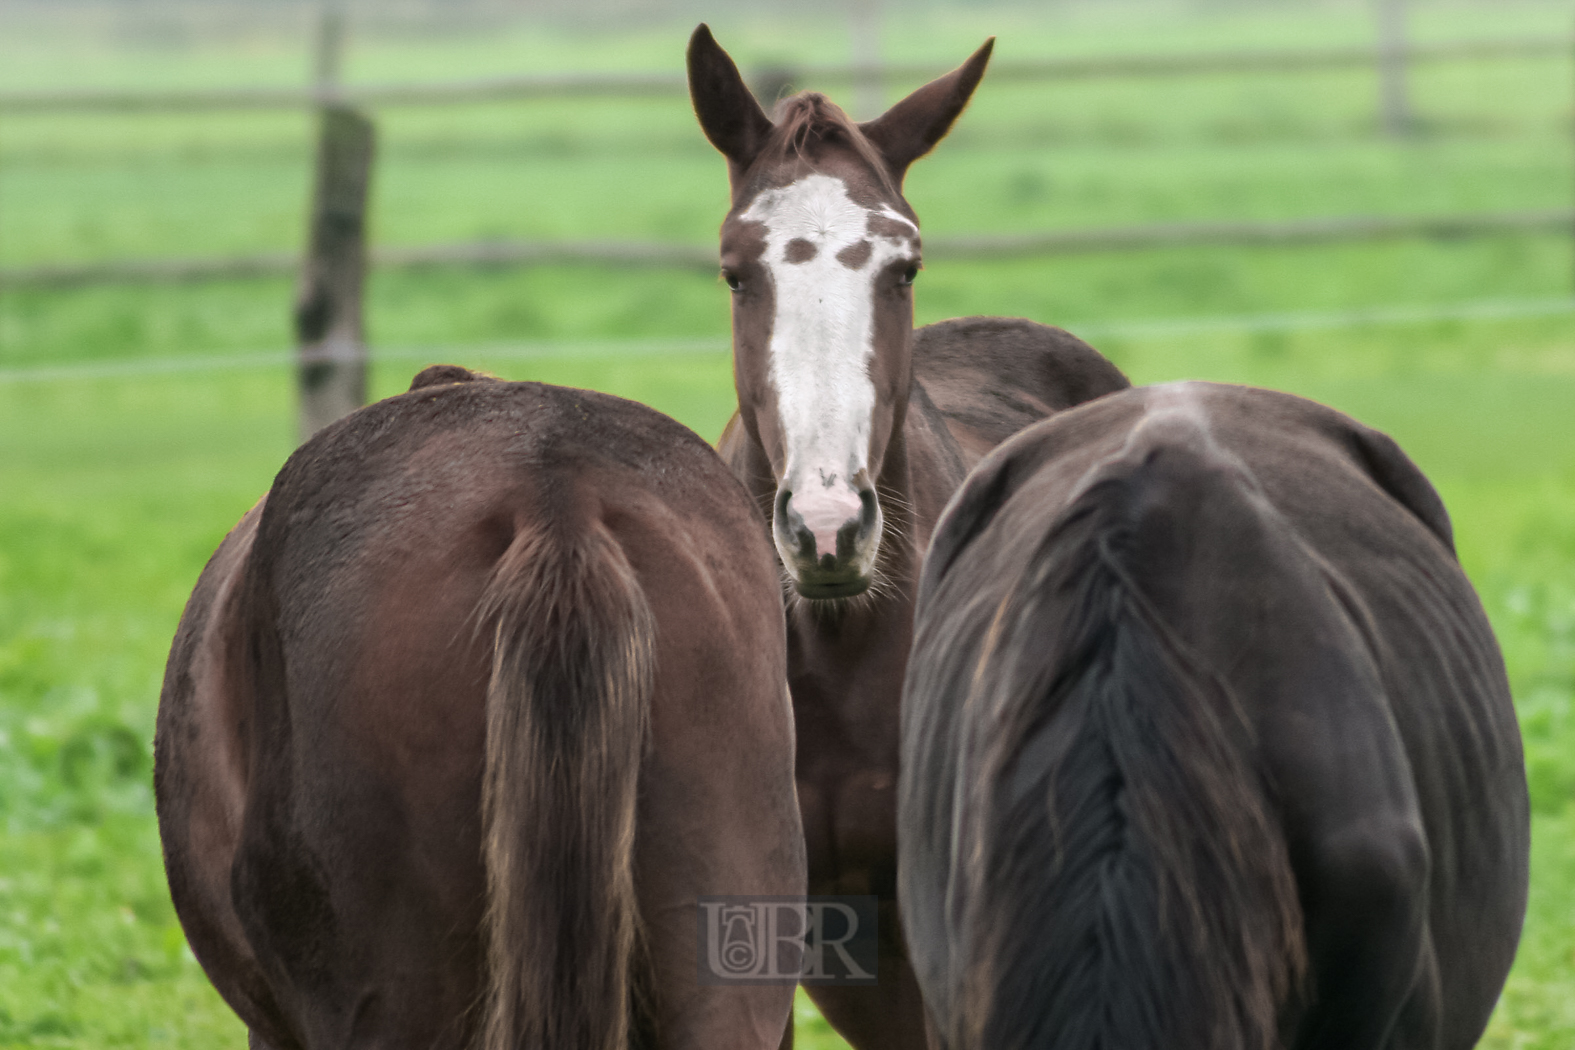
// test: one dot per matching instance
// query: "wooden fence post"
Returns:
(869, 94)
(331, 371)
(1393, 95)
(328, 329)
(328, 53)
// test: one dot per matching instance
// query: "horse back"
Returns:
(992, 376)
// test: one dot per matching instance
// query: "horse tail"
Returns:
(1137, 882)
(572, 675)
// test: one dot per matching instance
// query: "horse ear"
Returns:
(728, 112)
(911, 128)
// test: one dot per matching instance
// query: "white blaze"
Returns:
(823, 334)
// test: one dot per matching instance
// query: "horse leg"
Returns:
(880, 1017)
(1366, 929)
(888, 1015)
(713, 819)
(1421, 1022)
(1350, 810)
(693, 843)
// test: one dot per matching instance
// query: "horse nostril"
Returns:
(787, 519)
(869, 510)
(849, 535)
(858, 528)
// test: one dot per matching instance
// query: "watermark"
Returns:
(788, 940)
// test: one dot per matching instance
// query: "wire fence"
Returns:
(328, 91)
(704, 258)
(1148, 329)
(641, 85)
(329, 96)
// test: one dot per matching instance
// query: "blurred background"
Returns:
(1366, 202)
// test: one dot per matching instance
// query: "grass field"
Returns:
(114, 491)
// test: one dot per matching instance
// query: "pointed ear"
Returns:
(728, 112)
(911, 128)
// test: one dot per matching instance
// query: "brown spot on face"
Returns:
(885, 226)
(854, 256)
(799, 250)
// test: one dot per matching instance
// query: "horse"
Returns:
(1207, 742)
(852, 431)
(462, 718)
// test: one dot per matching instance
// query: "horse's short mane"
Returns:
(809, 120)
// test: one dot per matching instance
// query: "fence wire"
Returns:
(1093, 331)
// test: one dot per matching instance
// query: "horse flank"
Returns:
(1139, 891)
(572, 675)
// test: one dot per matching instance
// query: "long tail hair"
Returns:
(572, 675)
(1135, 883)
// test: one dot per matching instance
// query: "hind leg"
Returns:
(1365, 895)
(692, 846)
(1360, 854)
(715, 821)
(887, 1016)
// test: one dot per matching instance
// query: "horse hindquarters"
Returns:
(1101, 791)
(1303, 586)
(200, 780)
(442, 560)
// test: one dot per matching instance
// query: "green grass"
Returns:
(114, 492)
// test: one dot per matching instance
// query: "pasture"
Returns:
(114, 488)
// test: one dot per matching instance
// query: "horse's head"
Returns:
(820, 250)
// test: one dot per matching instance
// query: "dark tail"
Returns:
(572, 675)
(1136, 887)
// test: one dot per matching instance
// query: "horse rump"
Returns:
(420, 702)
(1123, 882)
(1206, 742)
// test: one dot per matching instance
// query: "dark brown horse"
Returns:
(464, 716)
(852, 432)
(1207, 743)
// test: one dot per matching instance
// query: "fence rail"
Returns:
(481, 354)
(695, 257)
(581, 85)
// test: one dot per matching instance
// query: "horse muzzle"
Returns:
(828, 537)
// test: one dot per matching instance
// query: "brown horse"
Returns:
(852, 432)
(1207, 743)
(462, 719)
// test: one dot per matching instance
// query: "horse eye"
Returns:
(909, 275)
(733, 282)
